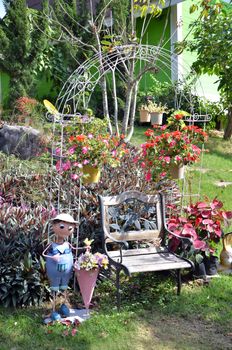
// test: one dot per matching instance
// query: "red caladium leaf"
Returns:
(218, 232)
(189, 232)
(227, 215)
(198, 244)
(201, 205)
(207, 221)
(216, 204)
(206, 213)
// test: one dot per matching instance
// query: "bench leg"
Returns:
(118, 288)
(178, 277)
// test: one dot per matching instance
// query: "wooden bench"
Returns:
(135, 237)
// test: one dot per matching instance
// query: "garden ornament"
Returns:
(226, 253)
(59, 260)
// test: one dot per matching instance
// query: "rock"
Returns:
(23, 142)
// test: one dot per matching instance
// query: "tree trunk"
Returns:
(130, 87)
(103, 79)
(115, 103)
(228, 129)
(133, 111)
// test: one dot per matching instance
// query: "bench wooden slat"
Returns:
(158, 267)
(135, 235)
(153, 262)
(136, 252)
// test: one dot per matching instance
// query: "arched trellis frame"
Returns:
(80, 86)
(82, 83)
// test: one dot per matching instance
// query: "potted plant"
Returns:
(165, 149)
(85, 154)
(144, 113)
(202, 224)
(87, 268)
(156, 111)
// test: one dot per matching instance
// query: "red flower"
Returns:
(178, 116)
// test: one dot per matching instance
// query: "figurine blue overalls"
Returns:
(59, 260)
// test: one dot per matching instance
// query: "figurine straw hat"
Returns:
(64, 217)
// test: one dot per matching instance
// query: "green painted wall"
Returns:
(206, 85)
(152, 37)
(44, 89)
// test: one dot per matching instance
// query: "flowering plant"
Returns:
(154, 107)
(202, 224)
(89, 261)
(170, 147)
(89, 149)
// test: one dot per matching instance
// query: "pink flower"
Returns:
(172, 143)
(90, 136)
(143, 165)
(177, 158)
(58, 151)
(85, 161)
(59, 166)
(66, 166)
(148, 176)
(167, 159)
(74, 331)
(71, 150)
(85, 149)
(74, 177)
(163, 174)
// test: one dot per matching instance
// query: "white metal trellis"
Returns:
(80, 86)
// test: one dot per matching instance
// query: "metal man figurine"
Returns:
(59, 260)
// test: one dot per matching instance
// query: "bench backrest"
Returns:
(132, 216)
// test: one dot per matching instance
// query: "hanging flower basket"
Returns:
(145, 116)
(156, 118)
(87, 281)
(92, 175)
(177, 171)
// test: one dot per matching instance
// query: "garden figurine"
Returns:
(226, 253)
(59, 260)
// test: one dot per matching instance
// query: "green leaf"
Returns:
(106, 43)
(198, 258)
(193, 8)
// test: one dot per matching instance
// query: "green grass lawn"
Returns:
(150, 318)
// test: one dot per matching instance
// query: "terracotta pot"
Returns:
(92, 174)
(87, 281)
(177, 171)
(156, 118)
(145, 116)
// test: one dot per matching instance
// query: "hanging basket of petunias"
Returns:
(88, 151)
(165, 148)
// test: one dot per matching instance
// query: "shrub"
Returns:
(25, 208)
